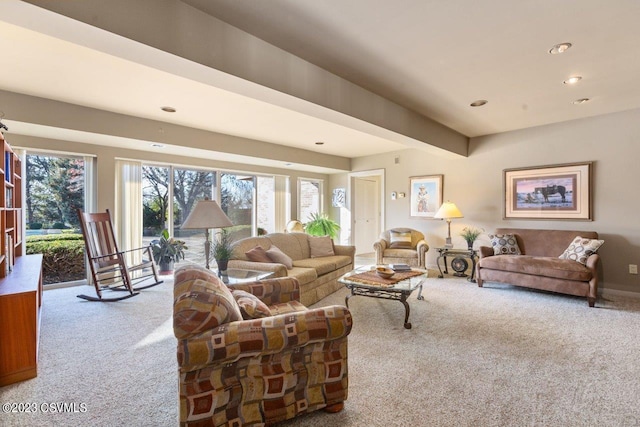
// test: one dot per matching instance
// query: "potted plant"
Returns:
(470, 234)
(221, 250)
(321, 225)
(167, 251)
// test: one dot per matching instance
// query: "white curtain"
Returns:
(127, 217)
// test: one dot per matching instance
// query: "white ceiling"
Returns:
(432, 56)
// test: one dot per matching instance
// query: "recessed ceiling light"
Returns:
(572, 80)
(319, 143)
(581, 101)
(288, 164)
(559, 48)
(156, 145)
(168, 109)
(479, 103)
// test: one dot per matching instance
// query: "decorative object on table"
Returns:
(321, 225)
(295, 226)
(167, 251)
(470, 235)
(222, 250)
(205, 215)
(426, 195)
(384, 272)
(448, 211)
(548, 192)
(338, 200)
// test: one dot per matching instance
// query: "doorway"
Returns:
(367, 213)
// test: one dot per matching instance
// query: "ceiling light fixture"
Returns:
(581, 101)
(168, 109)
(559, 48)
(319, 143)
(479, 103)
(156, 145)
(572, 80)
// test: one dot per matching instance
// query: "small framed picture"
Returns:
(548, 192)
(338, 198)
(426, 195)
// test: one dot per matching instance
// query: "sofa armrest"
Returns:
(278, 270)
(248, 338)
(379, 246)
(273, 290)
(349, 251)
(485, 251)
(592, 263)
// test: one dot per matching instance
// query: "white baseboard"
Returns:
(615, 292)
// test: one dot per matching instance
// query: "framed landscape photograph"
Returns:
(548, 192)
(425, 195)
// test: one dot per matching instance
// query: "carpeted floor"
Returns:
(496, 356)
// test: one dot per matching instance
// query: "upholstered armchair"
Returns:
(252, 354)
(401, 246)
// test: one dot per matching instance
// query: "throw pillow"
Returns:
(321, 246)
(202, 305)
(399, 239)
(504, 244)
(581, 248)
(276, 255)
(250, 305)
(258, 254)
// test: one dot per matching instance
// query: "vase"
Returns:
(470, 245)
(222, 266)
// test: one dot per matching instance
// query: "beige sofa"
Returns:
(539, 266)
(317, 276)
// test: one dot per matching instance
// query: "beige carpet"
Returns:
(497, 356)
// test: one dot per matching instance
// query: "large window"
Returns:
(55, 189)
(237, 201)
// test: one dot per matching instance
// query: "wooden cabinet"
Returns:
(20, 280)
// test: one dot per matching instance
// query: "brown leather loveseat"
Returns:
(539, 265)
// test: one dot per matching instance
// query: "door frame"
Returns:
(351, 188)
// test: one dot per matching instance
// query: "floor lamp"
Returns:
(447, 211)
(207, 214)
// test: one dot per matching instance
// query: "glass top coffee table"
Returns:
(237, 275)
(363, 281)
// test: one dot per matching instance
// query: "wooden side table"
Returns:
(459, 263)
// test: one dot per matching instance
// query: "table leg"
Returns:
(473, 270)
(440, 276)
(420, 297)
(407, 325)
(346, 299)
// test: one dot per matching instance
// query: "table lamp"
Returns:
(447, 211)
(207, 214)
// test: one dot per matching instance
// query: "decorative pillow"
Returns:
(250, 305)
(202, 305)
(258, 254)
(399, 239)
(581, 248)
(504, 244)
(321, 246)
(276, 255)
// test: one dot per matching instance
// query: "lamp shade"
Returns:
(448, 210)
(207, 214)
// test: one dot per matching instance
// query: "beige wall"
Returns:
(475, 184)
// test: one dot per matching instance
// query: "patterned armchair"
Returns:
(401, 246)
(282, 361)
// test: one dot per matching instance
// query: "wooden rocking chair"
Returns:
(108, 264)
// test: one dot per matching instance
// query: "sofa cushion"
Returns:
(324, 265)
(540, 266)
(320, 246)
(201, 305)
(276, 255)
(504, 244)
(400, 253)
(303, 274)
(581, 249)
(258, 254)
(399, 239)
(296, 245)
(250, 305)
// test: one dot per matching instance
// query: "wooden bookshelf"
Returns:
(20, 279)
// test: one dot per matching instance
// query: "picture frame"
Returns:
(425, 195)
(338, 198)
(556, 192)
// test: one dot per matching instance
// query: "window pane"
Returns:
(309, 199)
(236, 193)
(190, 186)
(266, 205)
(155, 201)
(54, 190)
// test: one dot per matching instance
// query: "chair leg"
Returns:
(336, 407)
